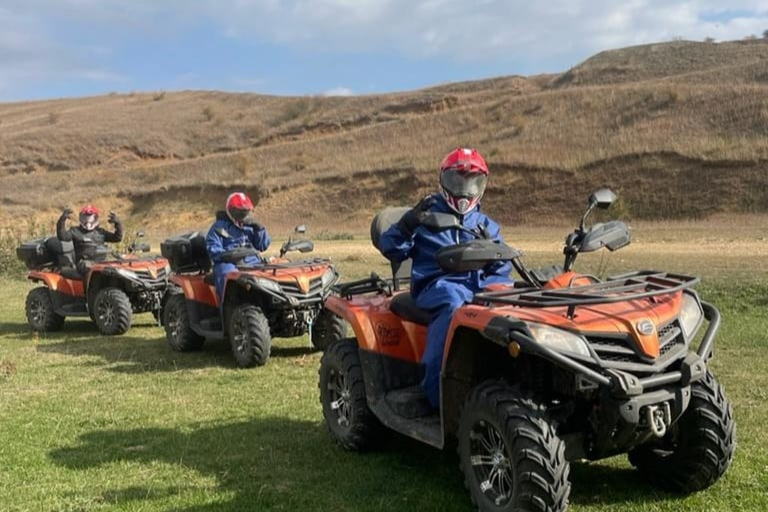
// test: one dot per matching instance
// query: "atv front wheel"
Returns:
(112, 311)
(698, 449)
(40, 313)
(328, 327)
(178, 331)
(249, 336)
(342, 395)
(510, 453)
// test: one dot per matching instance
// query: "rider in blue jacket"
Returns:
(463, 176)
(234, 228)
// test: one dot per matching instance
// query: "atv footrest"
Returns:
(410, 402)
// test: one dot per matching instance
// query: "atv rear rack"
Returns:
(371, 284)
(632, 286)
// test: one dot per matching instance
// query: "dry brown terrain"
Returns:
(679, 129)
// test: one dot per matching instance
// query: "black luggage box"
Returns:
(186, 252)
(36, 254)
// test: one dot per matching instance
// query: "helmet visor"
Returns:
(239, 214)
(89, 221)
(461, 183)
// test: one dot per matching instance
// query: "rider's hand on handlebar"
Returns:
(414, 217)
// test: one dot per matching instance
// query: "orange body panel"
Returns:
(196, 289)
(379, 330)
(56, 282)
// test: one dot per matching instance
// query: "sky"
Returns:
(72, 48)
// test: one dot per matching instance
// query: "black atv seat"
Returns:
(381, 222)
(405, 307)
(71, 273)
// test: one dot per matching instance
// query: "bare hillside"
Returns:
(678, 128)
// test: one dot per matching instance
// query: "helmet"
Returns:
(89, 217)
(239, 206)
(463, 176)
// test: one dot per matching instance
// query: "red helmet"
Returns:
(239, 206)
(463, 176)
(89, 217)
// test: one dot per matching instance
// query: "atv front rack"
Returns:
(372, 284)
(635, 285)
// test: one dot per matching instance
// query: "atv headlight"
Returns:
(560, 340)
(329, 277)
(268, 284)
(691, 315)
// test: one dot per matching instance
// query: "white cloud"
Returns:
(339, 91)
(542, 36)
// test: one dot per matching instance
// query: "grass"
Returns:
(124, 423)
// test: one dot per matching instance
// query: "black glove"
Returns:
(250, 221)
(66, 213)
(113, 218)
(413, 217)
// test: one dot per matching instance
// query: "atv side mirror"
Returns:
(298, 245)
(301, 228)
(436, 221)
(602, 198)
(139, 234)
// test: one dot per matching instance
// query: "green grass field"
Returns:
(91, 423)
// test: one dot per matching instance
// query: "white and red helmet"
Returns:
(463, 176)
(239, 206)
(89, 217)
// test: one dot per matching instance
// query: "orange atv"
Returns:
(110, 293)
(559, 367)
(278, 298)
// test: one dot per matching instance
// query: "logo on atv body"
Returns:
(388, 336)
(645, 327)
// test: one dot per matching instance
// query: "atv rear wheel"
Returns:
(328, 327)
(342, 395)
(178, 331)
(40, 312)
(698, 449)
(249, 336)
(112, 311)
(510, 453)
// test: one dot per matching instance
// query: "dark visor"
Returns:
(464, 183)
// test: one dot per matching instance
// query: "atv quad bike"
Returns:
(559, 367)
(278, 298)
(110, 293)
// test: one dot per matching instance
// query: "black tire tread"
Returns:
(258, 334)
(538, 454)
(188, 340)
(123, 311)
(708, 451)
(365, 431)
(53, 321)
(329, 327)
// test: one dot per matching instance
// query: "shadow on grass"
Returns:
(274, 463)
(265, 464)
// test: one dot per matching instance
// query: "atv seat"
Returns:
(404, 306)
(401, 270)
(71, 273)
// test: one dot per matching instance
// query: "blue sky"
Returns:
(65, 48)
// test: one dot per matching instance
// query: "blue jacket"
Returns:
(424, 244)
(224, 236)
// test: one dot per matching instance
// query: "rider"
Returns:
(463, 176)
(88, 237)
(234, 227)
